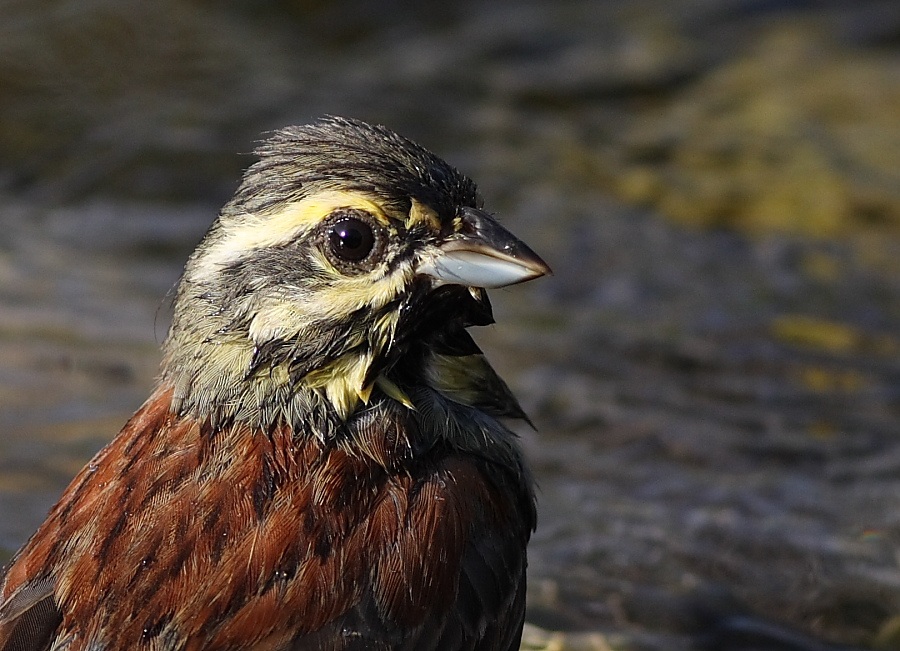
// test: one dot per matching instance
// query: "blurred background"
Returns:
(714, 369)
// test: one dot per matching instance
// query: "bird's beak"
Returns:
(482, 254)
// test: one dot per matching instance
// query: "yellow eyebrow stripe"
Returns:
(249, 232)
(307, 212)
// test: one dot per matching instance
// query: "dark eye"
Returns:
(351, 239)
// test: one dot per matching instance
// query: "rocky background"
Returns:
(714, 369)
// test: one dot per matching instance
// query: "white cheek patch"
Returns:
(292, 312)
(277, 320)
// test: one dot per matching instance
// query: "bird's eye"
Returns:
(351, 238)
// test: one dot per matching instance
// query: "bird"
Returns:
(327, 460)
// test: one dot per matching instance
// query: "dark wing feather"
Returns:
(490, 604)
(489, 608)
(464, 627)
(29, 618)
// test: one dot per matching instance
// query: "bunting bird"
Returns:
(323, 464)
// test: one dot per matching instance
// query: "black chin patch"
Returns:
(449, 307)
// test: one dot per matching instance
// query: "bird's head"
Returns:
(350, 260)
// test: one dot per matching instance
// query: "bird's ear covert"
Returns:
(353, 241)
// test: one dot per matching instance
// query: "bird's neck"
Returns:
(214, 380)
(440, 399)
(458, 413)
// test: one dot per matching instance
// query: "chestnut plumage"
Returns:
(323, 464)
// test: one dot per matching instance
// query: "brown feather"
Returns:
(252, 539)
